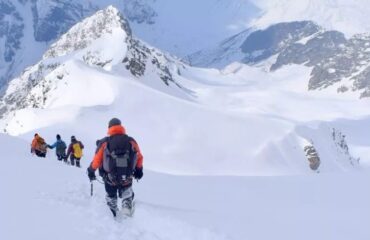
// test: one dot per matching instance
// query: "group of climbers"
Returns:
(74, 153)
(117, 157)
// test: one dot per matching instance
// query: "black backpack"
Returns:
(119, 159)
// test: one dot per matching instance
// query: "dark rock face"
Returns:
(331, 56)
(262, 44)
(138, 11)
(312, 157)
(57, 20)
(11, 29)
(140, 56)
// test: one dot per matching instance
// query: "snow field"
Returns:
(47, 198)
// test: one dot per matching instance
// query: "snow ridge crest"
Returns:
(81, 35)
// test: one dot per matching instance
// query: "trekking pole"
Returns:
(91, 188)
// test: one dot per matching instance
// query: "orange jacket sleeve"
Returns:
(140, 158)
(34, 143)
(98, 158)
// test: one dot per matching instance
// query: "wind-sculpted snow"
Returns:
(45, 192)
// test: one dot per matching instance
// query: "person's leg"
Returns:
(64, 157)
(60, 157)
(40, 154)
(78, 162)
(72, 158)
(111, 198)
(127, 195)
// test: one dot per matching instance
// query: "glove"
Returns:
(91, 174)
(138, 173)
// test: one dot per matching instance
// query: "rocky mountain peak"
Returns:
(103, 40)
(84, 33)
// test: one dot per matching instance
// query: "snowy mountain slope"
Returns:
(101, 41)
(168, 206)
(29, 27)
(161, 98)
(58, 196)
(334, 60)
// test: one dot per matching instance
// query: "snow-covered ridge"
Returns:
(103, 40)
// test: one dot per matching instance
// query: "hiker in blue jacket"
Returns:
(61, 147)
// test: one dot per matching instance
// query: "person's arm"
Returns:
(97, 161)
(138, 171)
(81, 145)
(52, 146)
(69, 151)
(139, 155)
(33, 145)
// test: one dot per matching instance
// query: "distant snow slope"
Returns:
(43, 198)
(238, 121)
(349, 17)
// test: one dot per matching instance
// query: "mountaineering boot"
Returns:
(112, 204)
(128, 207)
(114, 212)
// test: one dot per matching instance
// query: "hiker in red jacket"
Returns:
(119, 160)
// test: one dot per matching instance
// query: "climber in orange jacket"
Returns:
(38, 146)
(119, 160)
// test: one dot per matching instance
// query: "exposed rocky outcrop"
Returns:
(313, 157)
(332, 57)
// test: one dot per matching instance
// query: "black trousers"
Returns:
(73, 158)
(61, 157)
(113, 192)
(40, 154)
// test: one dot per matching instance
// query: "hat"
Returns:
(58, 136)
(114, 122)
(73, 138)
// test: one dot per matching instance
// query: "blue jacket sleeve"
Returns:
(53, 146)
